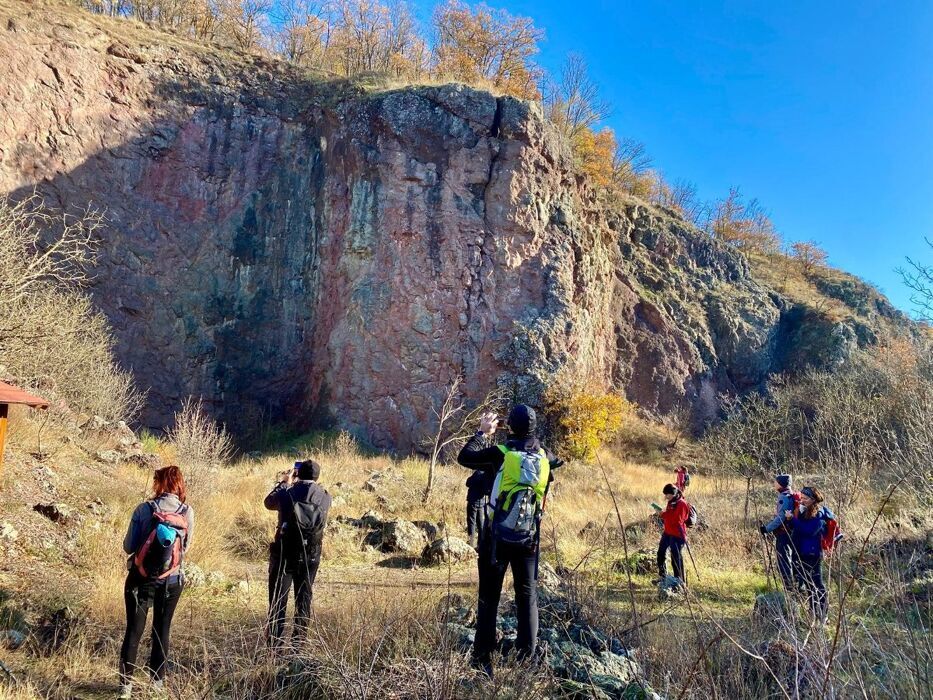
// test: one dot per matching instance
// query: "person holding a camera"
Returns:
(295, 553)
(519, 471)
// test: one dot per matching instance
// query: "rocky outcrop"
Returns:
(288, 249)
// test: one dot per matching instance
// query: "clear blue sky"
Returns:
(823, 110)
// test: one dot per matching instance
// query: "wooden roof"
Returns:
(13, 394)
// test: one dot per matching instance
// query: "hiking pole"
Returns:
(690, 552)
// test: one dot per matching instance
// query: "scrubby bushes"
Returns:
(200, 444)
(584, 418)
(863, 427)
(52, 340)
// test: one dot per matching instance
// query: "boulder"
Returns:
(194, 575)
(56, 512)
(108, 456)
(144, 460)
(8, 532)
(431, 530)
(448, 550)
(670, 587)
(400, 536)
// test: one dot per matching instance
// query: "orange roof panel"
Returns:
(13, 394)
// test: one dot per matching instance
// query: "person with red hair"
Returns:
(159, 534)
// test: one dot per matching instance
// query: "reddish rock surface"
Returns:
(292, 250)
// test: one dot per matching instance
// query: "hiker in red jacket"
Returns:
(674, 537)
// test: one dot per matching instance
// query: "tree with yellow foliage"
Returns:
(586, 417)
(481, 45)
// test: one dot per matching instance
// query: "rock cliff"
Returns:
(294, 249)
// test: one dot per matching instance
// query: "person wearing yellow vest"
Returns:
(520, 470)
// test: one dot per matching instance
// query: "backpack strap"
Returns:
(503, 449)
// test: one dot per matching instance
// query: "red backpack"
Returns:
(160, 554)
(831, 534)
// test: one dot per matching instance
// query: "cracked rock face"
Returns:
(296, 251)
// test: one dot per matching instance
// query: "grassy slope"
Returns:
(84, 566)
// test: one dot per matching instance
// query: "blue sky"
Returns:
(822, 110)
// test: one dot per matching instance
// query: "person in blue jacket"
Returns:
(807, 527)
(779, 528)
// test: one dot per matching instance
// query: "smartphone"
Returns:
(297, 467)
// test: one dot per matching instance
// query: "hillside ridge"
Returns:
(295, 250)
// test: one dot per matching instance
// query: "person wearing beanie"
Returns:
(295, 553)
(495, 557)
(808, 525)
(781, 529)
(674, 536)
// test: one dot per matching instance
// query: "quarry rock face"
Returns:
(295, 250)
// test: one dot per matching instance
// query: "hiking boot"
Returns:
(158, 688)
(126, 691)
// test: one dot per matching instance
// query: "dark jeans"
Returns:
(285, 572)
(525, 579)
(139, 595)
(675, 544)
(785, 560)
(476, 518)
(809, 575)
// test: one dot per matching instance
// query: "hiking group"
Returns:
(506, 499)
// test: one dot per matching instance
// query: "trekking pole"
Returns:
(690, 553)
(772, 579)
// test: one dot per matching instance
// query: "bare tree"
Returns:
(919, 279)
(630, 165)
(572, 101)
(455, 423)
(302, 32)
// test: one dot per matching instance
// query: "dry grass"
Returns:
(377, 632)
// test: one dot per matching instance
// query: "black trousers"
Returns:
(675, 544)
(491, 576)
(139, 595)
(286, 571)
(785, 559)
(809, 575)
(475, 517)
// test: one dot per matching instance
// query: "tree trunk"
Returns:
(431, 469)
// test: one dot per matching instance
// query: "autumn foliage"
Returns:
(585, 418)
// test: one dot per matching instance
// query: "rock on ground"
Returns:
(400, 536)
(670, 587)
(448, 550)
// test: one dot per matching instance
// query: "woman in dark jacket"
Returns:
(169, 517)
(807, 527)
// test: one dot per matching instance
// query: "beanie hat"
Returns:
(670, 490)
(309, 470)
(522, 420)
(784, 480)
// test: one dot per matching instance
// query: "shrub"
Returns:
(51, 338)
(201, 445)
(585, 419)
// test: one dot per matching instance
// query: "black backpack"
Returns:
(304, 528)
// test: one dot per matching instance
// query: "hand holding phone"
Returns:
(488, 423)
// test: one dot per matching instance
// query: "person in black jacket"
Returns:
(478, 485)
(477, 454)
(295, 554)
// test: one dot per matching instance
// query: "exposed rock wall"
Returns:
(286, 248)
